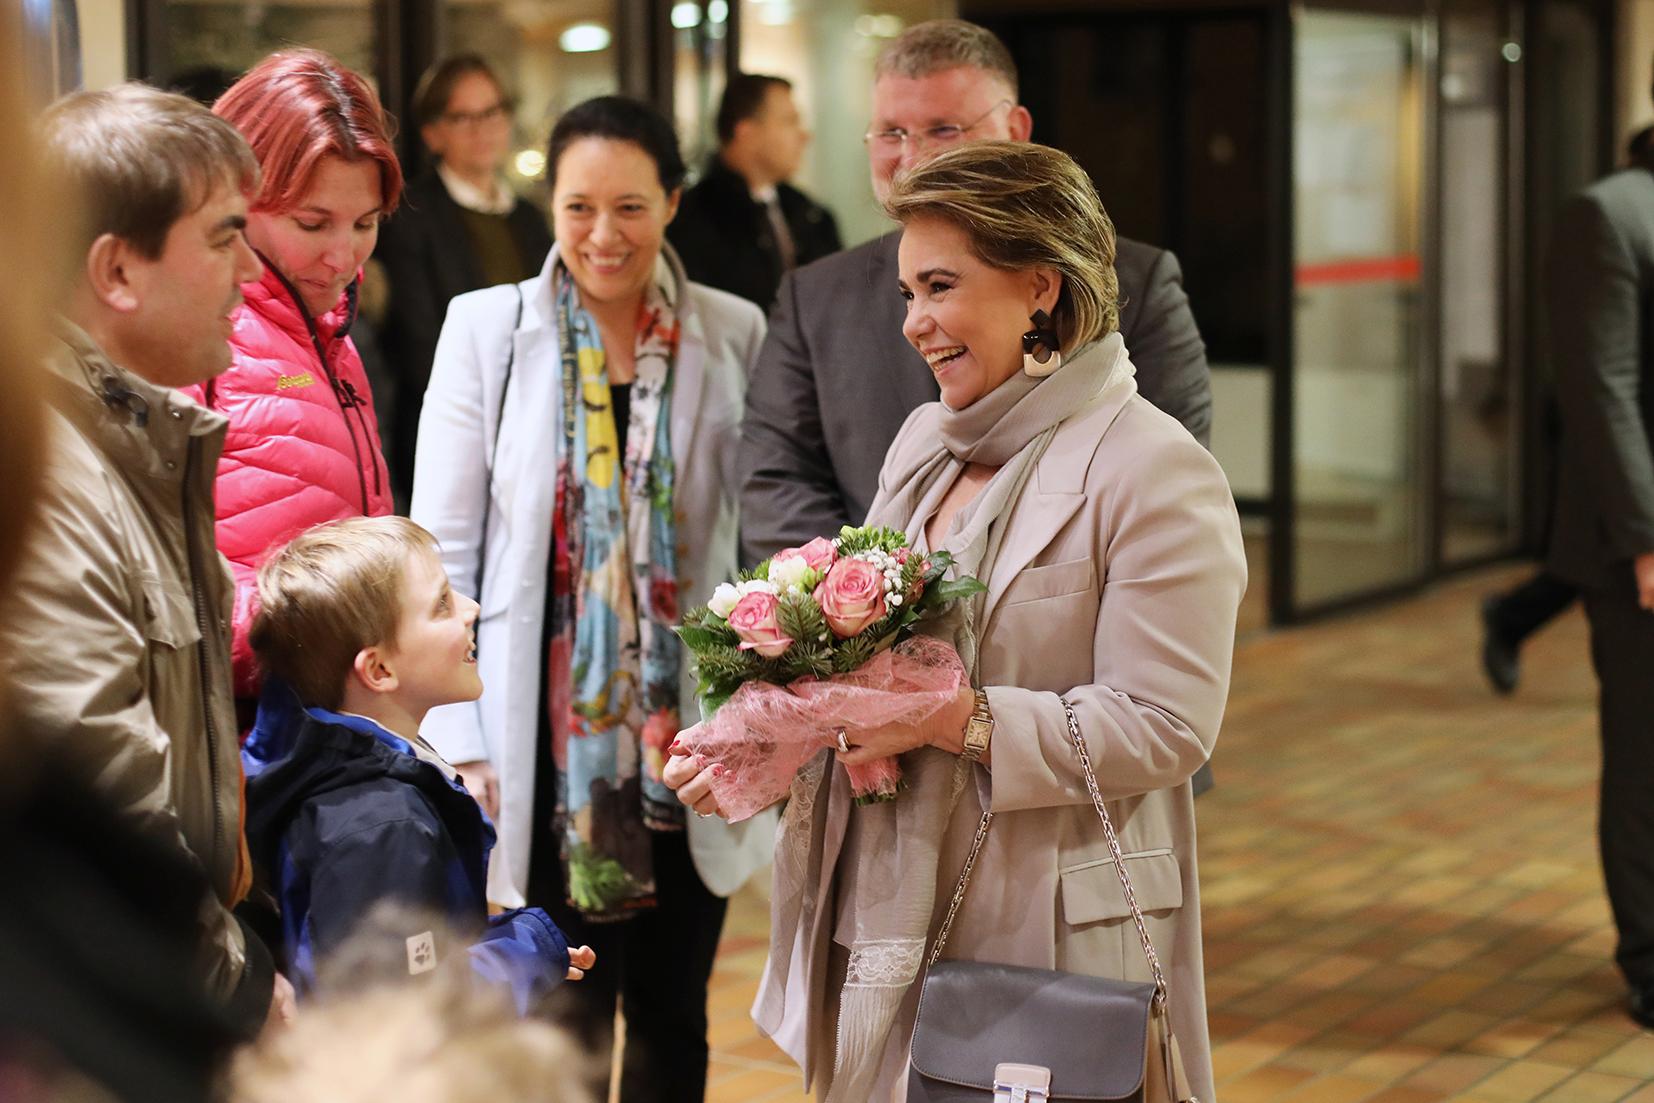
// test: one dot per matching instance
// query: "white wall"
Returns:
(102, 42)
(1634, 42)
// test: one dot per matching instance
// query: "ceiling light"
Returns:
(584, 38)
(686, 14)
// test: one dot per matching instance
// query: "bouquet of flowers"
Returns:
(809, 642)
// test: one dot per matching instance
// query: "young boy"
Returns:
(358, 621)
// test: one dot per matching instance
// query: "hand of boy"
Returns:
(482, 783)
(580, 960)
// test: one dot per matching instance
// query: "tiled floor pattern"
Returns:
(1401, 895)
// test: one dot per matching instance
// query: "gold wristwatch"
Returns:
(978, 729)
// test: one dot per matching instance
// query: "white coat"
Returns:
(718, 343)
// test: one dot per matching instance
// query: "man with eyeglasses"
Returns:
(460, 227)
(835, 378)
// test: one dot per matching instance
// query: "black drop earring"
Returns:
(1041, 339)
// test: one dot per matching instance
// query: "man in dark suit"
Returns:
(460, 227)
(742, 226)
(1600, 291)
(836, 379)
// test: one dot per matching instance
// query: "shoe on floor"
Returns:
(1641, 1006)
(1501, 655)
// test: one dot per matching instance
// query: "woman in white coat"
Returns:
(576, 460)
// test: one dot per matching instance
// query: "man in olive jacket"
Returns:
(117, 630)
(835, 378)
(1600, 294)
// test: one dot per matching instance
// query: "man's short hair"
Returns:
(139, 159)
(436, 85)
(328, 593)
(942, 44)
(743, 99)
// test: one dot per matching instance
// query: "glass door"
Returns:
(1480, 411)
(1359, 497)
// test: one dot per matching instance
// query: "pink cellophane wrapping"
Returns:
(765, 732)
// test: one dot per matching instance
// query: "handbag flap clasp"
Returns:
(1015, 1083)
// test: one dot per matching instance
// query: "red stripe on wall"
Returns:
(1360, 270)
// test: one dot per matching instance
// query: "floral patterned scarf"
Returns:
(612, 682)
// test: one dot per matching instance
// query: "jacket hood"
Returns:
(324, 753)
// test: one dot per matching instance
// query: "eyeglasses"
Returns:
(894, 140)
(476, 118)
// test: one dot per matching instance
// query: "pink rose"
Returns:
(851, 596)
(818, 553)
(754, 619)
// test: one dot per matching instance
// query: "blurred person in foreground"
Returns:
(742, 226)
(460, 227)
(85, 888)
(374, 1033)
(1111, 550)
(117, 620)
(577, 465)
(357, 617)
(303, 442)
(1599, 282)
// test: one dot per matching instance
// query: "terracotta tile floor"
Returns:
(1399, 876)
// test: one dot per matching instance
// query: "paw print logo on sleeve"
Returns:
(421, 953)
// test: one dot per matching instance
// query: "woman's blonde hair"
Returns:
(1024, 206)
(329, 592)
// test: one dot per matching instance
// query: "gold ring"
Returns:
(843, 743)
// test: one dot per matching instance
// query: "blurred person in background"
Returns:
(1599, 282)
(460, 227)
(743, 226)
(1510, 617)
(303, 441)
(577, 466)
(116, 623)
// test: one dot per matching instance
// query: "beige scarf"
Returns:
(887, 868)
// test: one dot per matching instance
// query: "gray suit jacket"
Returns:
(836, 379)
(1600, 293)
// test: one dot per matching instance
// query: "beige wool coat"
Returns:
(1116, 586)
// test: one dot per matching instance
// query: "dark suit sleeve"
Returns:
(1165, 345)
(695, 242)
(1596, 316)
(788, 493)
(414, 312)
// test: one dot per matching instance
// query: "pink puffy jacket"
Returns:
(303, 444)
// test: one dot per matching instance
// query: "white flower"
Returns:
(756, 586)
(724, 599)
(894, 599)
(791, 571)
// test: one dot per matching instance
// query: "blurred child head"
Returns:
(358, 613)
(375, 1032)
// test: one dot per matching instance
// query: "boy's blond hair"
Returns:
(330, 592)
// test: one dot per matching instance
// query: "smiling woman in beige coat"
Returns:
(1111, 549)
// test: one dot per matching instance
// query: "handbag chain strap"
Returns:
(1160, 989)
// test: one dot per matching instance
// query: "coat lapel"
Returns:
(1055, 494)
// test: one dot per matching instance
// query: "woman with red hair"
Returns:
(303, 443)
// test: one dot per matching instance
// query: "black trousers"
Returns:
(1520, 612)
(1622, 650)
(653, 967)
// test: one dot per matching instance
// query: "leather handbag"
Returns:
(1008, 1034)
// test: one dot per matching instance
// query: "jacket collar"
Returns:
(277, 301)
(146, 428)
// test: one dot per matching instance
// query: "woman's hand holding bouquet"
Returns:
(814, 642)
